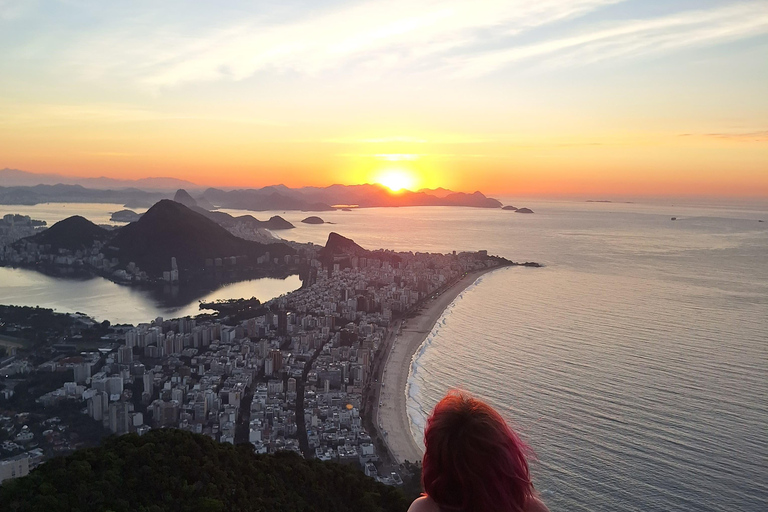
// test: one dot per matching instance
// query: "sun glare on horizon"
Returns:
(397, 180)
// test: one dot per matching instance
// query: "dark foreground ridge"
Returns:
(173, 470)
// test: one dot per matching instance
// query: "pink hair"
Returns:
(473, 461)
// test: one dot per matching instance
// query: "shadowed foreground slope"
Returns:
(173, 470)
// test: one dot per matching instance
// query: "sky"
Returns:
(594, 97)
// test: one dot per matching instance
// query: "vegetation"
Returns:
(173, 470)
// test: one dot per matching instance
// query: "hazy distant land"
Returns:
(28, 189)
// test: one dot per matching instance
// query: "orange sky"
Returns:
(577, 97)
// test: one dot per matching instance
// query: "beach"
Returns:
(391, 414)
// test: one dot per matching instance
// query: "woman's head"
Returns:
(473, 460)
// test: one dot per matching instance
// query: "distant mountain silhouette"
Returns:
(170, 229)
(75, 194)
(19, 178)
(281, 197)
(274, 197)
(267, 198)
(437, 192)
(183, 197)
(73, 233)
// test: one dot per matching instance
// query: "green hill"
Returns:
(173, 470)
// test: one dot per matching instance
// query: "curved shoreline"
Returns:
(392, 415)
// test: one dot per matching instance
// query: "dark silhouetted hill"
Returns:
(342, 250)
(313, 219)
(337, 244)
(72, 233)
(170, 229)
(177, 471)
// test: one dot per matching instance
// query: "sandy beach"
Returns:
(391, 415)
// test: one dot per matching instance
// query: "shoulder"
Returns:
(536, 505)
(424, 504)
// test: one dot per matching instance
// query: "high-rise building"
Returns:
(125, 355)
(277, 360)
(120, 417)
(165, 413)
(82, 372)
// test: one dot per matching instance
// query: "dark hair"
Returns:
(473, 460)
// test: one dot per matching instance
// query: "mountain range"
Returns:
(168, 229)
(18, 178)
(275, 197)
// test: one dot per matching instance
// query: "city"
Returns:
(298, 374)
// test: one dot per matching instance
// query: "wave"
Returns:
(417, 414)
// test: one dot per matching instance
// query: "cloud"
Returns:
(374, 39)
(628, 39)
(758, 136)
(373, 36)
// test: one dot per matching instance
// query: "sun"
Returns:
(396, 179)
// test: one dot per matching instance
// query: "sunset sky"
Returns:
(545, 97)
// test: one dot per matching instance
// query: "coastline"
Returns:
(391, 415)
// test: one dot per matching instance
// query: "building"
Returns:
(120, 417)
(14, 467)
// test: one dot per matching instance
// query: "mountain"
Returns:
(75, 194)
(183, 197)
(337, 245)
(73, 233)
(229, 221)
(176, 471)
(437, 192)
(476, 199)
(18, 178)
(170, 229)
(267, 198)
(367, 195)
(343, 251)
(274, 197)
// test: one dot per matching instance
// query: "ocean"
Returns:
(635, 363)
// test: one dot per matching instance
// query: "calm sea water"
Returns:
(104, 300)
(635, 363)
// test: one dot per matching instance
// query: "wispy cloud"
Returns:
(374, 36)
(758, 136)
(628, 39)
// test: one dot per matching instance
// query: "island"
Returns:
(313, 220)
(523, 210)
(125, 216)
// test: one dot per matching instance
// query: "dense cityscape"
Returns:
(297, 373)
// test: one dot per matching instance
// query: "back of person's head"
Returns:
(473, 460)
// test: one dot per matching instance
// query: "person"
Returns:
(473, 461)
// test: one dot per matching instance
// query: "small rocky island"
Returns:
(125, 216)
(523, 210)
(509, 207)
(313, 220)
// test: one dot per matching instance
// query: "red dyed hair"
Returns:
(473, 461)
